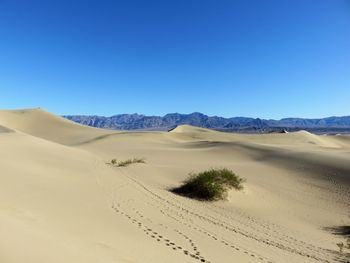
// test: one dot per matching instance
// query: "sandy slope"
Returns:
(42, 124)
(61, 202)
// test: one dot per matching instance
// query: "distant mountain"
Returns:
(235, 124)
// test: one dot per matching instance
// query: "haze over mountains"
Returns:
(235, 124)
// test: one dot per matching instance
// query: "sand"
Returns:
(61, 202)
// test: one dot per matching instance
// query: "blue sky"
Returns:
(267, 59)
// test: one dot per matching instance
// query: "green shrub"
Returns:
(127, 162)
(210, 185)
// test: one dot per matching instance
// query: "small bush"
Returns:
(127, 162)
(210, 185)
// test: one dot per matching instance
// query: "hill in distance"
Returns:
(235, 124)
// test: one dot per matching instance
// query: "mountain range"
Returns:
(235, 124)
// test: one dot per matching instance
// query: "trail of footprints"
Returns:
(218, 239)
(160, 237)
(271, 230)
(176, 214)
(235, 229)
(195, 254)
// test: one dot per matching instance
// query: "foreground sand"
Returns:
(61, 202)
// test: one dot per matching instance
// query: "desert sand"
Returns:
(61, 202)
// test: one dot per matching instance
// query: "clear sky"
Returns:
(267, 59)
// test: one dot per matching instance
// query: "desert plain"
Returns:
(61, 200)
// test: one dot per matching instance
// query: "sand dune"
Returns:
(61, 202)
(42, 124)
(189, 129)
(302, 138)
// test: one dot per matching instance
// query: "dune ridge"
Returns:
(41, 123)
(60, 202)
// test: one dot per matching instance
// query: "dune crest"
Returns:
(189, 128)
(43, 124)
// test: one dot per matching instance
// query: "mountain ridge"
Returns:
(137, 121)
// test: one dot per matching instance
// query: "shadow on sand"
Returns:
(339, 230)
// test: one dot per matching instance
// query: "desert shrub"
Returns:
(210, 185)
(127, 162)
